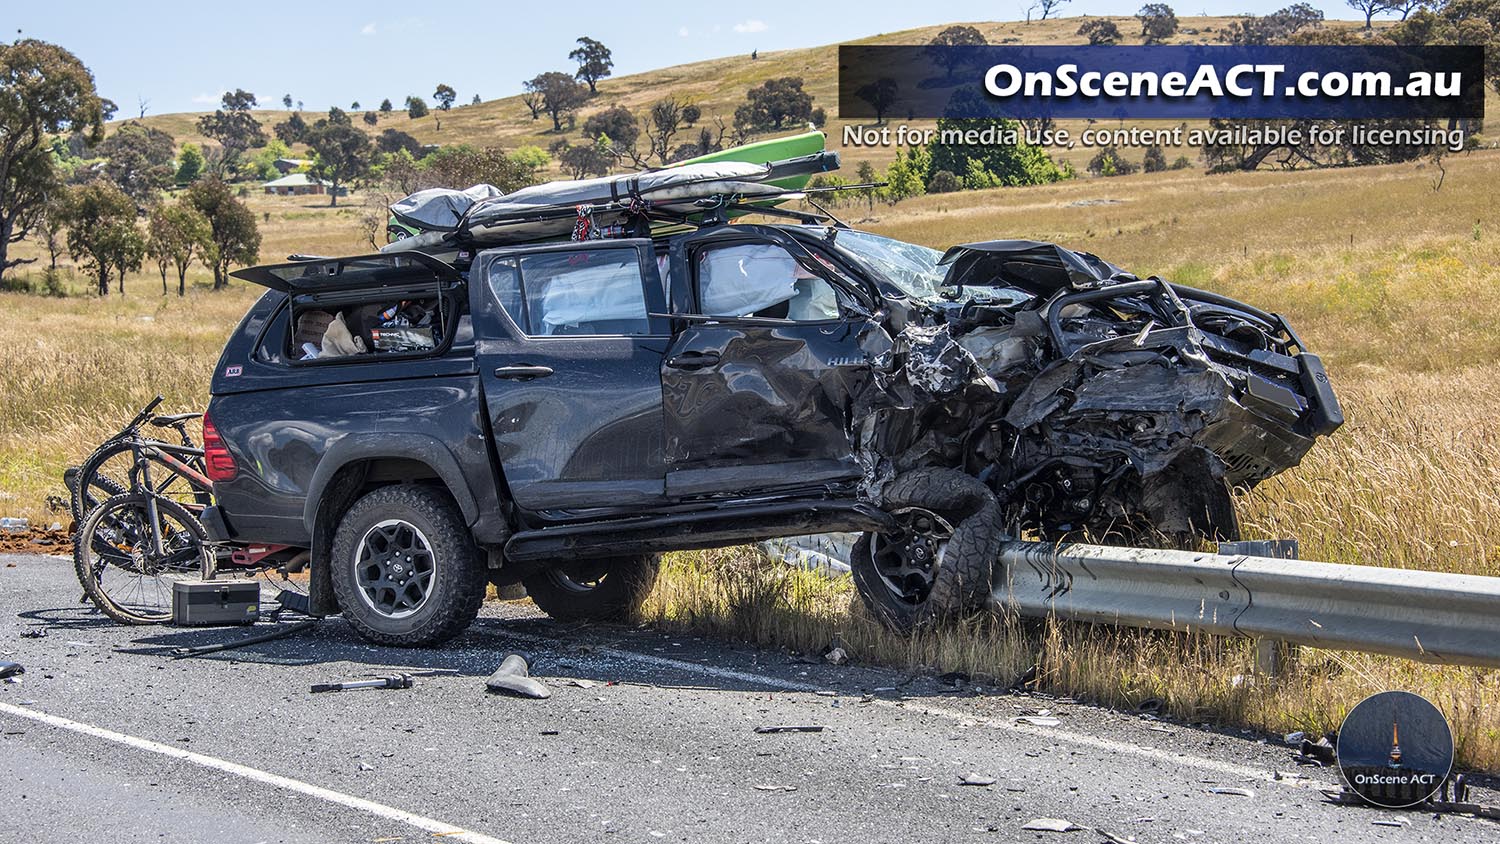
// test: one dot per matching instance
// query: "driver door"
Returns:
(760, 379)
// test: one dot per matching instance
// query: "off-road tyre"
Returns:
(454, 590)
(621, 587)
(965, 573)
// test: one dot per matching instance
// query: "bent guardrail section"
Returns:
(1428, 616)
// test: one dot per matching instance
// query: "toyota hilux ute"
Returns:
(558, 414)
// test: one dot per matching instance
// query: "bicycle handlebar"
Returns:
(140, 418)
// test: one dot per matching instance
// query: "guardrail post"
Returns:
(1270, 654)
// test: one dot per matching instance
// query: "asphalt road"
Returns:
(647, 738)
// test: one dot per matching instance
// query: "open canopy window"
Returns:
(362, 271)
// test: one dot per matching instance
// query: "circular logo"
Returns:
(1395, 749)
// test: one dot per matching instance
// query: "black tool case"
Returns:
(197, 603)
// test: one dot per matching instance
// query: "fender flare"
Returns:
(419, 447)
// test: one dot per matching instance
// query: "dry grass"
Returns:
(1404, 314)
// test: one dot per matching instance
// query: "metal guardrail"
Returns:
(1422, 615)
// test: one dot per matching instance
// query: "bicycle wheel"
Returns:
(83, 498)
(116, 558)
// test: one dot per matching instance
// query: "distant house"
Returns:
(299, 184)
(287, 165)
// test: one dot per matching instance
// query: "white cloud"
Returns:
(682, 32)
(368, 29)
(210, 99)
(750, 26)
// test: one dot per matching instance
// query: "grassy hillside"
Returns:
(719, 85)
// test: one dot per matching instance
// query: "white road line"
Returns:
(1046, 734)
(437, 828)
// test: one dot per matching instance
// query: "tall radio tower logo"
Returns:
(1395, 760)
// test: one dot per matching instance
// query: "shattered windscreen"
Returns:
(910, 267)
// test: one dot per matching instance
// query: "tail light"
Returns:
(218, 463)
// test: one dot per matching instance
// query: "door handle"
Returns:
(693, 360)
(523, 372)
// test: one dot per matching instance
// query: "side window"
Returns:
(762, 280)
(590, 292)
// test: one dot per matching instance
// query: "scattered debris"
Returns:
(582, 684)
(836, 656)
(11, 669)
(1391, 822)
(1233, 792)
(791, 728)
(37, 633)
(393, 681)
(1321, 751)
(1294, 739)
(14, 525)
(775, 788)
(955, 678)
(1038, 721)
(1152, 705)
(976, 779)
(200, 650)
(1051, 825)
(366, 766)
(514, 677)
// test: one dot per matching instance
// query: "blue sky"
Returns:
(181, 56)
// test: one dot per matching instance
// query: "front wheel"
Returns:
(405, 568)
(603, 589)
(937, 561)
(129, 552)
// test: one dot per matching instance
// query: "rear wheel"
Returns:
(937, 561)
(405, 568)
(130, 551)
(603, 589)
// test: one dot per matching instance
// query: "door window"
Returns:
(592, 292)
(762, 280)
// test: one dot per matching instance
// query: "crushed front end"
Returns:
(1091, 402)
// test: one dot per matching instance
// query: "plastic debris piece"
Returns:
(1051, 825)
(791, 728)
(775, 788)
(1294, 739)
(976, 779)
(1391, 822)
(10, 669)
(1232, 792)
(514, 677)
(1038, 721)
(836, 656)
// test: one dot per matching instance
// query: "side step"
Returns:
(711, 528)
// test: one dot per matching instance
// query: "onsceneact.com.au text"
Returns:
(1240, 80)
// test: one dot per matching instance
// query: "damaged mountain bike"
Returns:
(136, 501)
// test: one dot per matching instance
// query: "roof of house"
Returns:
(295, 180)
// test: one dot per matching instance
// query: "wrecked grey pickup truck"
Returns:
(557, 414)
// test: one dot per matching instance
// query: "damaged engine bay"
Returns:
(1092, 403)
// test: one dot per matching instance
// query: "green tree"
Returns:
(233, 235)
(234, 127)
(561, 95)
(776, 102)
(175, 235)
(445, 95)
(189, 163)
(385, 106)
(139, 160)
(594, 62)
(371, 118)
(907, 175)
(286, 101)
(263, 162)
(990, 165)
(394, 140)
(880, 94)
(1158, 22)
(620, 131)
(102, 235)
(583, 160)
(291, 130)
(1100, 32)
(1155, 160)
(1370, 8)
(691, 113)
(939, 48)
(416, 107)
(460, 166)
(340, 153)
(44, 91)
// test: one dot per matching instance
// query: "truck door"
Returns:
(570, 356)
(759, 383)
